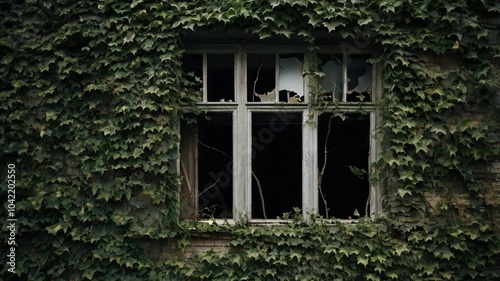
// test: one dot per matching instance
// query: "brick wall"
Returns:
(198, 243)
(216, 242)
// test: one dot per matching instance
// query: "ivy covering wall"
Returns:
(91, 96)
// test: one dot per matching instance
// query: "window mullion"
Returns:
(277, 76)
(242, 149)
(309, 164)
(345, 78)
(205, 77)
(375, 187)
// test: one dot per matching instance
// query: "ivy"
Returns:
(91, 97)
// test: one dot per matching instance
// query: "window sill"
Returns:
(215, 105)
(267, 222)
(270, 222)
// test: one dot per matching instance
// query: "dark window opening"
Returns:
(344, 183)
(220, 77)
(261, 76)
(276, 163)
(215, 150)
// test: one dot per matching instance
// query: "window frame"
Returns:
(242, 109)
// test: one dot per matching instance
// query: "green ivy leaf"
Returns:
(402, 192)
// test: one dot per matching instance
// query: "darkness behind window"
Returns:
(277, 163)
(215, 149)
(220, 76)
(348, 146)
(266, 81)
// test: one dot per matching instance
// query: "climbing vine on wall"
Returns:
(91, 97)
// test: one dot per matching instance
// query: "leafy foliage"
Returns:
(91, 97)
(340, 251)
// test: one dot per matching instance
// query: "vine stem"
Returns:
(261, 193)
(257, 78)
(367, 204)
(320, 179)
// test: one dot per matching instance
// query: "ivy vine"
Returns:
(92, 93)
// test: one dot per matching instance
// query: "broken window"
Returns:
(331, 66)
(259, 151)
(359, 78)
(346, 78)
(261, 77)
(275, 78)
(290, 81)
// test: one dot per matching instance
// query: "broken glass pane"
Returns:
(291, 83)
(220, 77)
(331, 83)
(261, 76)
(359, 73)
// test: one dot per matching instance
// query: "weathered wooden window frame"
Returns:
(242, 109)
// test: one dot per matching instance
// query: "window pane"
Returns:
(344, 181)
(261, 77)
(291, 82)
(220, 76)
(215, 149)
(331, 83)
(359, 73)
(276, 163)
